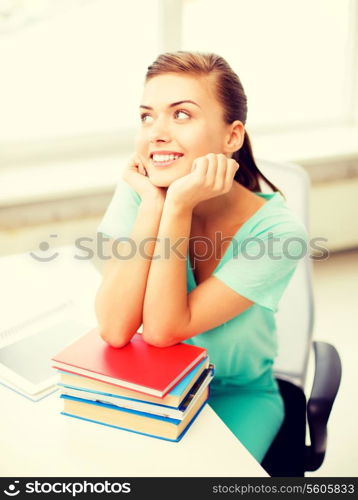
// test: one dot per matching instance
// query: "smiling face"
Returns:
(178, 132)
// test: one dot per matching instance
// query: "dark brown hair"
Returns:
(230, 94)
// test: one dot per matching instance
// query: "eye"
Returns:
(182, 111)
(143, 116)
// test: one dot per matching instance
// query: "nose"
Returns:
(159, 131)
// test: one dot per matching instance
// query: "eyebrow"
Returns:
(172, 105)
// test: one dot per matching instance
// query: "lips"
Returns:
(169, 157)
(162, 152)
(164, 163)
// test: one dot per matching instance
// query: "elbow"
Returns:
(159, 339)
(116, 339)
(116, 332)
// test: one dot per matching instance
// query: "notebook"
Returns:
(171, 399)
(138, 365)
(130, 420)
(179, 412)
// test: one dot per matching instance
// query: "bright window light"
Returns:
(77, 73)
(293, 57)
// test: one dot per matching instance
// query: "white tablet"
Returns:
(25, 365)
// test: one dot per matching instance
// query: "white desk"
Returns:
(36, 440)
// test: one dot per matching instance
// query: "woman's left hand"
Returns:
(211, 175)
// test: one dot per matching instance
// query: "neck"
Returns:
(233, 204)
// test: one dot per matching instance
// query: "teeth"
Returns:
(164, 158)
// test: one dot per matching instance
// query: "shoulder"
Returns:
(273, 230)
(277, 218)
(121, 212)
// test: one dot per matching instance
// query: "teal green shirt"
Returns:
(258, 264)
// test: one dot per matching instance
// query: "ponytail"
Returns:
(248, 174)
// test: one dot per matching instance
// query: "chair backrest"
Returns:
(294, 317)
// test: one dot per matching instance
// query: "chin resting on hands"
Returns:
(135, 175)
(211, 175)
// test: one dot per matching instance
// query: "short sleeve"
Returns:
(263, 265)
(121, 212)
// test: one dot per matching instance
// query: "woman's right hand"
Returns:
(135, 175)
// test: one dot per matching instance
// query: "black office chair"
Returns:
(289, 456)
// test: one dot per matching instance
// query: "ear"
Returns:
(235, 137)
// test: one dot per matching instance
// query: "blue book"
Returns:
(173, 399)
(145, 406)
(169, 429)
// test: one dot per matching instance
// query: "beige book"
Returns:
(134, 421)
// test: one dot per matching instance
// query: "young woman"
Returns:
(202, 255)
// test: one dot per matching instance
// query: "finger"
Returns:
(200, 165)
(133, 162)
(139, 164)
(141, 169)
(129, 167)
(212, 167)
(233, 167)
(222, 167)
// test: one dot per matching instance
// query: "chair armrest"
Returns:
(325, 386)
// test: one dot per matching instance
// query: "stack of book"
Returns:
(156, 391)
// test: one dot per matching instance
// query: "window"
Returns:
(71, 83)
(294, 58)
(77, 73)
(81, 72)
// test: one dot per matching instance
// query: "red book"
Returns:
(137, 366)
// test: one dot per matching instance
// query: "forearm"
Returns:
(120, 298)
(166, 298)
